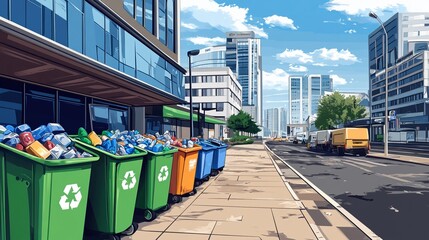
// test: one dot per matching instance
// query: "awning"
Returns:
(169, 112)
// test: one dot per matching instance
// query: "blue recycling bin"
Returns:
(204, 164)
(219, 156)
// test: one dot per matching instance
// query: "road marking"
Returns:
(393, 177)
(356, 166)
(359, 163)
(317, 232)
(375, 163)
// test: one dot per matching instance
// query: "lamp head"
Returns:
(373, 15)
(193, 52)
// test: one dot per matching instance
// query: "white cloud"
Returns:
(280, 21)
(189, 25)
(221, 16)
(294, 56)
(337, 80)
(331, 71)
(363, 7)
(339, 21)
(251, 18)
(206, 41)
(321, 57)
(350, 31)
(334, 55)
(277, 79)
(297, 68)
(349, 19)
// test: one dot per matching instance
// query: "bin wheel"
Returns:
(112, 237)
(175, 199)
(149, 215)
(214, 173)
(131, 230)
(166, 207)
(197, 183)
(207, 178)
(221, 169)
(193, 192)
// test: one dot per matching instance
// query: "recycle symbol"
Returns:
(163, 174)
(72, 197)
(129, 180)
(192, 164)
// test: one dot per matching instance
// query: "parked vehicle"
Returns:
(311, 141)
(350, 140)
(323, 140)
(300, 138)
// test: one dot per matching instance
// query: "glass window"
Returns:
(94, 33)
(68, 106)
(75, 25)
(170, 25)
(33, 16)
(42, 100)
(148, 15)
(129, 6)
(139, 11)
(17, 8)
(112, 44)
(107, 117)
(4, 8)
(219, 107)
(10, 102)
(61, 30)
(129, 55)
(162, 21)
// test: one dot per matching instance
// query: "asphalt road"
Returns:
(390, 197)
(412, 149)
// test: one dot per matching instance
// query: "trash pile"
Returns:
(124, 142)
(47, 141)
(169, 140)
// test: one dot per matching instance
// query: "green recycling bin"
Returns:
(113, 192)
(155, 185)
(43, 199)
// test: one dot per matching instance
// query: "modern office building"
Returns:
(243, 56)
(210, 57)
(216, 91)
(275, 122)
(408, 77)
(64, 61)
(304, 95)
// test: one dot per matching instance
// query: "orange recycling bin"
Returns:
(183, 173)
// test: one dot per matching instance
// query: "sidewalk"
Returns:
(402, 158)
(251, 199)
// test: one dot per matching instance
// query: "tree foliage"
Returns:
(336, 109)
(242, 122)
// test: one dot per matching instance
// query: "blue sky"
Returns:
(297, 37)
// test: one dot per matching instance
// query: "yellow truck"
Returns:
(350, 140)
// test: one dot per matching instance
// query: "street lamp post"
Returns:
(386, 118)
(191, 108)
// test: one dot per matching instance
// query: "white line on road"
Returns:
(359, 163)
(375, 163)
(356, 166)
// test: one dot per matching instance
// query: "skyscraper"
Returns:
(304, 95)
(243, 56)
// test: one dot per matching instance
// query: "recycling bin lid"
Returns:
(172, 150)
(207, 146)
(193, 149)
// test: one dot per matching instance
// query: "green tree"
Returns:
(242, 122)
(336, 109)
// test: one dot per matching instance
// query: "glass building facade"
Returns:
(407, 88)
(164, 26)
(211, 57)
(82, 27)
(79, 62)
(305, 93)
(243, 57)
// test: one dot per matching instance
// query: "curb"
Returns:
(342, 210)
(395, 159)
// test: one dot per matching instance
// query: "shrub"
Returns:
(238, 138)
